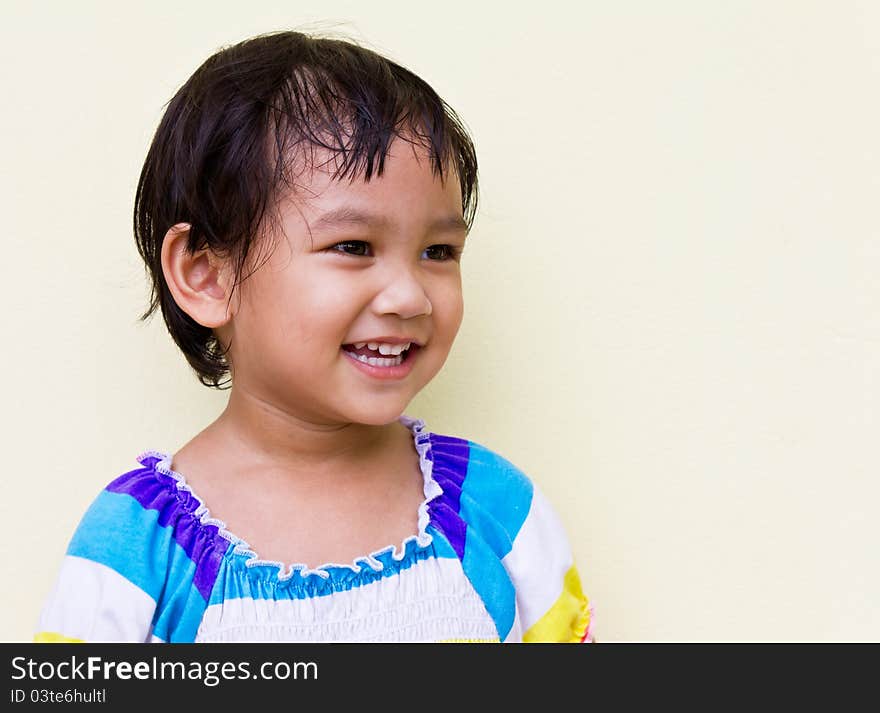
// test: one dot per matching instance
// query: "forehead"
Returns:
(408, 195)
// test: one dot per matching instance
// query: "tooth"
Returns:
(360, 345)
(396, 349)
(379, 361)
(386, 349)
(373, 345)
(384, 361)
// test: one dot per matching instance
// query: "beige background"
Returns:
(672, 305)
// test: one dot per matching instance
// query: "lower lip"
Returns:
(386, 372)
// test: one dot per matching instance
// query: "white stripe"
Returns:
(94, 603)
(538, 561)
(430, 601)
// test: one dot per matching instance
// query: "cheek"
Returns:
(311, 308)
(449, 310)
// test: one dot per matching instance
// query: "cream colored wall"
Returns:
(673, 312)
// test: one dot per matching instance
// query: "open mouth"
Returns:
(376, 354)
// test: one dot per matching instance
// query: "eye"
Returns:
(358, 248)
(442, 252)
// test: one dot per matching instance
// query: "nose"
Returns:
(402, 294)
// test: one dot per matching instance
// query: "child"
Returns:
(302, 212)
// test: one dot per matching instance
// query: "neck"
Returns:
(267, 434)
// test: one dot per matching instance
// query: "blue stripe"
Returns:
(117, 532)
(491, 581)
(179, 616)
(495, 498)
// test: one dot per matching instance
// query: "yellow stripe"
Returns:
(469, 641)
(50, 637)
(567, 620)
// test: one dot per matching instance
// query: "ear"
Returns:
(199, 283)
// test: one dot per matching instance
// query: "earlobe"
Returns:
(197, 281)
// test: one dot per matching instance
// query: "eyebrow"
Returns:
(346, 215)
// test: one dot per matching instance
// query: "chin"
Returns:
(378, 416)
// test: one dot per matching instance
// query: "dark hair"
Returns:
(225, 147)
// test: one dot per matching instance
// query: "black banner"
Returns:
(228, 675)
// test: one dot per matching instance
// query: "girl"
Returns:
(301, 213)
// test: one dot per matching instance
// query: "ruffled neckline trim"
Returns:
(375, 561)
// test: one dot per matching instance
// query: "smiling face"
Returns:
(353, 263)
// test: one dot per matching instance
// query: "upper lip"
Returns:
(387, 340)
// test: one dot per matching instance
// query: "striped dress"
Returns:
(490, 563)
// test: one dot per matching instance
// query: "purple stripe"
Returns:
(450, 457)
(201, 543)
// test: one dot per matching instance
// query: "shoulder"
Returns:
(122, 521)
(145, 524)
(483, 488)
